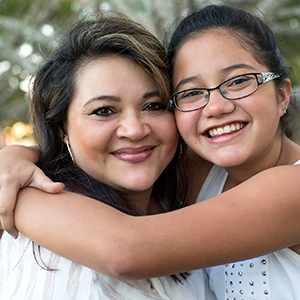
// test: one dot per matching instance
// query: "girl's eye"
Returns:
(104, 111)
(193, 93)
(239, 81)
(154, 106)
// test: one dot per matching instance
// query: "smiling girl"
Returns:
(232, 95)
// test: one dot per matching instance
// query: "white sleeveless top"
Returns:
(22, 278)
(275, 276)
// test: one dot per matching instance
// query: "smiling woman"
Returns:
(122, 129)
(101, 118)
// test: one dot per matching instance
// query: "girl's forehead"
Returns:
(213, 46)
(215, 54)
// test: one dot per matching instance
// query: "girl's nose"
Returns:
(217, 105)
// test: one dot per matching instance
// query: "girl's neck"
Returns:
(285, 152)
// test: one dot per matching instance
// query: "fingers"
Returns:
(40, 181)
(52, 187)
(7, 204)
(10, 187)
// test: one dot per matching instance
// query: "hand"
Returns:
(18, 170)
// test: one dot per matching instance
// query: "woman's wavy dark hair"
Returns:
(54, 87)
(252, 33)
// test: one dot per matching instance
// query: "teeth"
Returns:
(227, 129)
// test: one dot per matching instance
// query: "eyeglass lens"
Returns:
(234, 88)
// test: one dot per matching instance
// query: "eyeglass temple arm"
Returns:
(265, 77)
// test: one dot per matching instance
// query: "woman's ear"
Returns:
(66, 141)
(65, 138)
(284, 94)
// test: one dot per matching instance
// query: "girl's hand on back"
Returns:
(18, 170)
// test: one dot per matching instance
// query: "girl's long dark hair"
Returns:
(252, 33)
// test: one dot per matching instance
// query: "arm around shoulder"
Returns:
(18, 169)
(259, 216)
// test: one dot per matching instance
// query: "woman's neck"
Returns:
(141, 200)
(197, 169)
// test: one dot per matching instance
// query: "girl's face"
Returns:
(228, 133)
(118, 128)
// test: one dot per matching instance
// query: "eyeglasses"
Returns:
(233, 88)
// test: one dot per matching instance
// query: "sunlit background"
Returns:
(30, 30)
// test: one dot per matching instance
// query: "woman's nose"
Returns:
(133, 127)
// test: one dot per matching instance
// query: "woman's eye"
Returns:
(104, 111)
(154, 106)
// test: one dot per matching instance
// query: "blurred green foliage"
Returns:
(30, 29)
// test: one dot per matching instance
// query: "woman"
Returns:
(239, 223)
(101, 119)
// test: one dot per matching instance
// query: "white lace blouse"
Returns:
(22, 278)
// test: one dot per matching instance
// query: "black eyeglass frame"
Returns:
(265, 77)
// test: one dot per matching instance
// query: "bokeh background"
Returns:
(30, 30)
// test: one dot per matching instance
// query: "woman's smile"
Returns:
(134, 155)
(122, 134)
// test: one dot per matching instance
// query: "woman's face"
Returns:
(119, 131)
(247, 129)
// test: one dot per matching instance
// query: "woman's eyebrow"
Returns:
(102, 97)
(151, 94)
(117, 99)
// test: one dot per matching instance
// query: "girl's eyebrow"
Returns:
(237, 66)
(223, 71)
(185, 80)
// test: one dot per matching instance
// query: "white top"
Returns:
(275, 276)
(22, 278)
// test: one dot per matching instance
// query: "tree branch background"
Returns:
(30, 30)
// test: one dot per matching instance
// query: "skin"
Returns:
(100, 237)
(241, 226)
(249, 148)
(121, 134)
(246, 151)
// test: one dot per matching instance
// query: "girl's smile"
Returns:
(230, 133)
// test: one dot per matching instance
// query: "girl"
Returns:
(232, 97)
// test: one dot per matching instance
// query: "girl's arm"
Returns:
(17, 165)
(259, 216)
